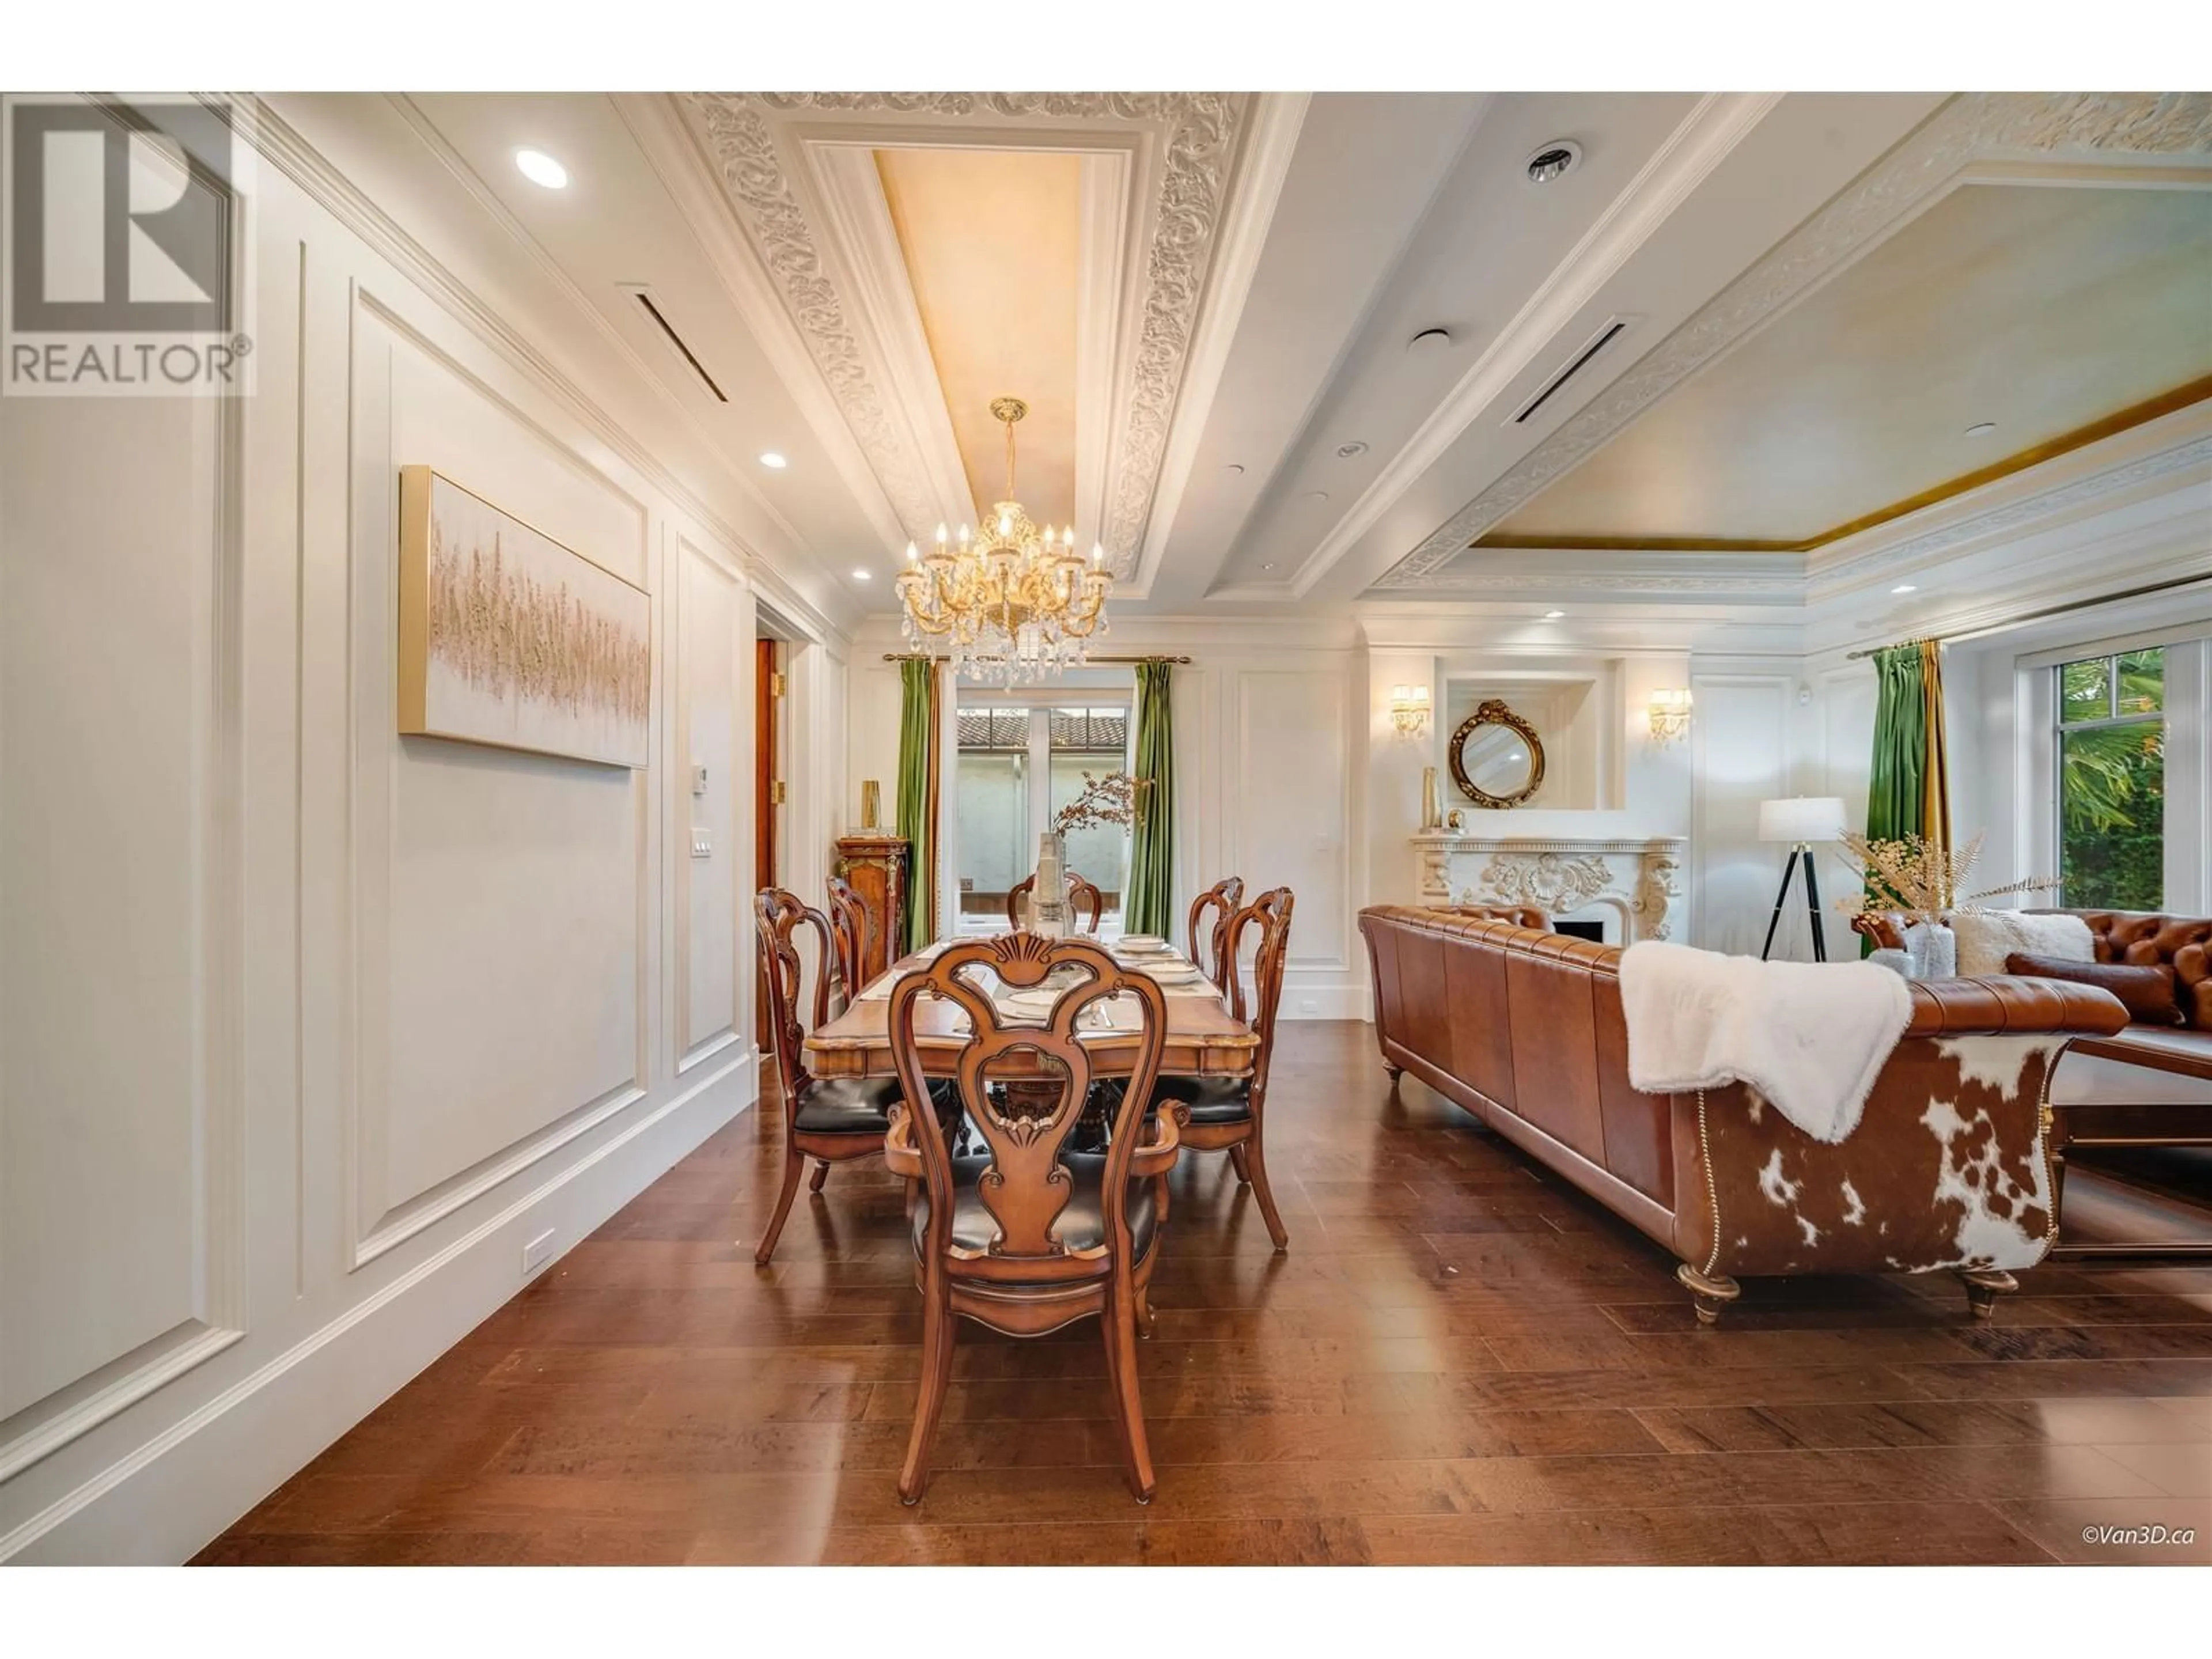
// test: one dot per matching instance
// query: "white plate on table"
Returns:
(1142, 942)
(1179, 973)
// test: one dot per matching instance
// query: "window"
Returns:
(1001, 812)
(2111, 782)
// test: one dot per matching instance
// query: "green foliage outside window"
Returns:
(2112, 756)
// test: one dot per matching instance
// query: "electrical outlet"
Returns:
(1308, 1005)
(537, 1252)
(698, 780)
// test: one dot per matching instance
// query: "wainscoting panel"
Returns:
(1290, 805)
(1741, 730)
(711, 687)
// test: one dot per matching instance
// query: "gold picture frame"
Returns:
(512, 639)
(1492, 713)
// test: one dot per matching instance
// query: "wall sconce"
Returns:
(1670, 713)
(1409, 710)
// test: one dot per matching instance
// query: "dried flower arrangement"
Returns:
(1110, 799)
(1920, 880)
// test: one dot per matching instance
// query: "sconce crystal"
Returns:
(1409, 710)
(1670, 713)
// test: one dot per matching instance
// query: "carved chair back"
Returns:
(1081, 895)
(848, 928)
(780, 916)
(1024, 1126)
(1209, 918)
(1270, 915)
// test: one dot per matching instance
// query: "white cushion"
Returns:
(1988, 937)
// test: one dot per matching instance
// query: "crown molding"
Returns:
(2075, 131)
(286, 149)
(1197, 136)
(1277, 120)
(1718, 123)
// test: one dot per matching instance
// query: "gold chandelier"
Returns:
(1012, 604)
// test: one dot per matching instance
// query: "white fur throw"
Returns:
(1809, 1038)
(1986, 938)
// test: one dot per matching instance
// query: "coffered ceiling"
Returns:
(1786, 310)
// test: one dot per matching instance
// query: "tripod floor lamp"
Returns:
(1802, 821)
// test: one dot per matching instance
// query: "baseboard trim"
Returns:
(164, 1500)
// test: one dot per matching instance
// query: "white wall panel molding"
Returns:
(1741, 730)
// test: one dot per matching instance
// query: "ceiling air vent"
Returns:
(1576, 364)
(644, 299)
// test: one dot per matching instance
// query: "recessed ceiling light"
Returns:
(1553, 160)
(1270, 565)
(772, 461)
(864, 575)
(1345, 451)
(1981, 428)
(1234, 470)
(1430, 339)
(1904, 588)
(1315, 496)
(1553, 615)
(541, 169)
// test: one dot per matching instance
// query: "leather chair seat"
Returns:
(847, 1106)
(1210, 1100)
(1080, 1226)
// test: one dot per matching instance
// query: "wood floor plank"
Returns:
(1459, 1359)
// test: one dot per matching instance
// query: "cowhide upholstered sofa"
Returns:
(1949, 1168)
(2134, 1129)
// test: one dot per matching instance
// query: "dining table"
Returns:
(1204, 1038)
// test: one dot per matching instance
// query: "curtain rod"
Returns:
(2048, 610)
(924, 656)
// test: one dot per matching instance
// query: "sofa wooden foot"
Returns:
(1711, 1292)
(1983, 1286)
(1394, 1073)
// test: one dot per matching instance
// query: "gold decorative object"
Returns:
(1432, 812)
(1920, 880)
(1501, 746)
(1015, 603)
(1670, 713)
(1409, 710)
(872, 803)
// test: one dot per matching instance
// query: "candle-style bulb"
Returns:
(914, 552)
(963, 535)
(1097, 556)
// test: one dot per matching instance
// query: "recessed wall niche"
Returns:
(1575, 712)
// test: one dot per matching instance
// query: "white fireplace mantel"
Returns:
(1638, 876)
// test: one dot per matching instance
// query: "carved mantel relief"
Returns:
(1639, 877)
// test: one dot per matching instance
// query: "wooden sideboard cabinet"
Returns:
(876, 866)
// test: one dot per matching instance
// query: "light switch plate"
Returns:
(702, 844)
(698, 780)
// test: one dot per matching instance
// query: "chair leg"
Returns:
(794, 1164)
(1121, 1367)
(1240, 1161)
(820, 1174)
(1145, 1315)
(1256, 1169)
(936, 1338)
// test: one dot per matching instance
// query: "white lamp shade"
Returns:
(1801, 817)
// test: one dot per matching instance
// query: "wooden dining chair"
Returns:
(827, 1119)
(1081, 895)
(1229, 1114)
(1209, 917)
(1030, 1236)
(848, 930)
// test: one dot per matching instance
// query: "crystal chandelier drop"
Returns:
(1012, 604)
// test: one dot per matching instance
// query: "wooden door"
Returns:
(767, 769)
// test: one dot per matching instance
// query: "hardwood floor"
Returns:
(1460, 1360)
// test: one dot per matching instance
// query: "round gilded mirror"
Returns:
(1497, 759)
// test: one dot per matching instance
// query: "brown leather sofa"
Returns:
(1949, 1168)
(2134, 1136)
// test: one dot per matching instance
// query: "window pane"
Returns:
(2141, 683)
(2085, 689)
(1099, 853)
(2113, 817)
(993, 803)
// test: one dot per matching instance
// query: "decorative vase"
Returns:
(1895, 960)
(1049, 898)
(1932, 950)
(1432, 812)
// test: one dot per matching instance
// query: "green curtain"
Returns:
(1151, 843)
(1896, 793)
(917, 798)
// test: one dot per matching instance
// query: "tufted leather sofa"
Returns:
(1949, 1168)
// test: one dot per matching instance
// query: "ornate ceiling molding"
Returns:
(1973, 128)
(1200, 137)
